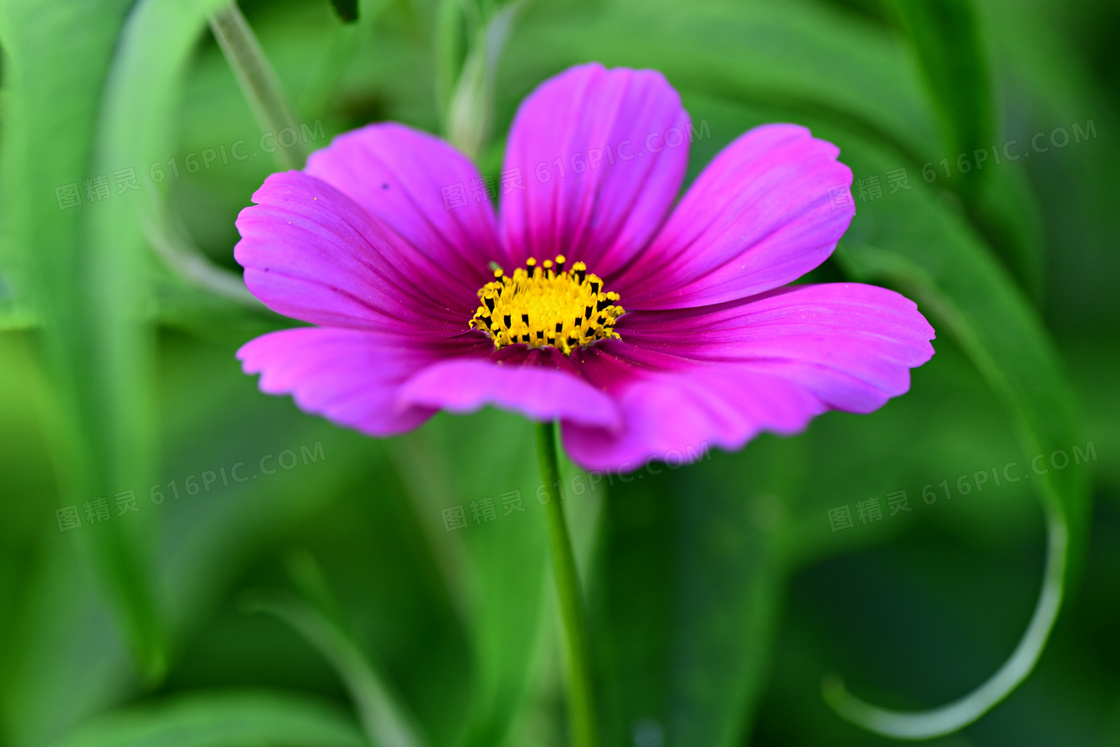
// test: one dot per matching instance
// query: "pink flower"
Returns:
(647, 330)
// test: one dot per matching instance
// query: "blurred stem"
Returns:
(581, 702)
(449, 54)
(937, 722)
(271, 106)
(384, 718)
(469, 111)
(188, 262)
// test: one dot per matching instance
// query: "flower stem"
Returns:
(258, 81)
(581, 701)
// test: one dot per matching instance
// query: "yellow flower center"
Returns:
(547, 305)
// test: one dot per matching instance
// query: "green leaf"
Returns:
(1047, 73)
(946, 38)
(347, 10)
(90, 286)
(971, 298)
(949, 47)
(135, 129)
(804, 61)
(495, 570)
(938, 261)
(1006, 213)
(83, 282)
(222, 719)
(686, 596)
(385, 721)
(807, 58)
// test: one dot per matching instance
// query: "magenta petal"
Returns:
(539, 385)
(311, 253)
(851, 345)
(758, 217)
(352, 377)
(630, 134)
(428, 193)
(674, 409)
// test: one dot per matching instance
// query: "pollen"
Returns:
(547, 305)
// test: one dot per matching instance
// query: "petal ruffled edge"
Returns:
(673, 408)
(687, 380)
(851, 344)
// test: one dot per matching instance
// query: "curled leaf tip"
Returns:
(937, 722)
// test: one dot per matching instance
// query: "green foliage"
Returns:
(222, 719)
(717, 594)
(951, 55)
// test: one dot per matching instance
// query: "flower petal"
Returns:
(311, 253)
(758, 217)
(630, 134)
(412, 182)
(673, 408)
(538, 383)
(352, 377)
(689, 379)
(851, 345)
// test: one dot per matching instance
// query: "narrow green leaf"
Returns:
(85, 292)
(940, 263)
(136, 130)
(222, 719)
(805, 57)
(947, 42)
(385, 721)
(686, 597)
(450, 51)
(951, 52)
(495, 570)
(972, 298)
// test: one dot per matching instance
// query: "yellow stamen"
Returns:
(552, 306)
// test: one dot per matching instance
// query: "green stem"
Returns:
(581, 701)
(271, 106)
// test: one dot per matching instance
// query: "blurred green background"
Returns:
(323, 600)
